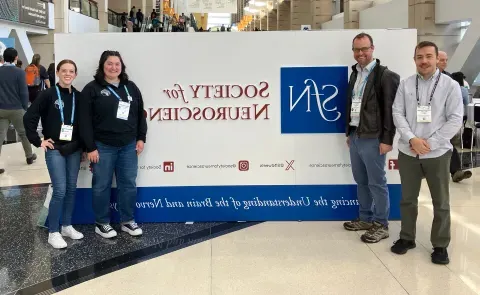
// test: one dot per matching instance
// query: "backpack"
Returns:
(32, 75)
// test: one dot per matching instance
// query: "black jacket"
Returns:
(46, 108)
(376, 120)
(98, 115)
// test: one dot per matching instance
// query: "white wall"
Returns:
(79, 23)
(113, 29)
(336, 23)
(393, 14)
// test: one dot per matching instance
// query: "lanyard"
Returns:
(433, 91)
(362, 85)
(126, 90)
(60, 106)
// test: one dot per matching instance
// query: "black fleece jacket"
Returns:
(98, 115)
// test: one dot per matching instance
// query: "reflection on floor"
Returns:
(267, 258)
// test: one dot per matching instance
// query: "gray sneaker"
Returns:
(357, 224)
(377, 233)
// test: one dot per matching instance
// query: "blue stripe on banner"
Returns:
(239, 203)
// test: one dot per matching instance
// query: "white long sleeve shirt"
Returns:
(447, 113)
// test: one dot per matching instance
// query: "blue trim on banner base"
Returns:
(239, 203)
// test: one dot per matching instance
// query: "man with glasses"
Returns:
(370, 132)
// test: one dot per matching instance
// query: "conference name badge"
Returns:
(424, 114)
(355, 109)
(123, 110)
(66, 132)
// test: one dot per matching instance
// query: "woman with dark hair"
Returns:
(114, 131)
(56, 107)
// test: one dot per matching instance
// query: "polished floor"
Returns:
(231, 258)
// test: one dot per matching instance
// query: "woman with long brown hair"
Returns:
(57, 108)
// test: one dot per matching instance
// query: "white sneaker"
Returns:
(56, 240)
(132, 228)
(70, 232)
(105, 231)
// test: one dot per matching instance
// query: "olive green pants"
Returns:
(437, 172)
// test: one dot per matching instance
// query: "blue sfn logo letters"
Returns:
(313, 99)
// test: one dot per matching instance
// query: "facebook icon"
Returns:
(313, 99)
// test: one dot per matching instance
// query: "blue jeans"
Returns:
(124, 162)
(368, 168)
(63, 174)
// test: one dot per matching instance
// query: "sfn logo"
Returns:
(168, 166)
(243, 165)
(393, 164)
(289, 165)
(313, 99)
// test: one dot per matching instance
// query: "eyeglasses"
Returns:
(363, 49)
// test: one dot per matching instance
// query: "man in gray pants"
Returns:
(14, 101)
(428, 112)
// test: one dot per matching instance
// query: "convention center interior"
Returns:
(239, 147)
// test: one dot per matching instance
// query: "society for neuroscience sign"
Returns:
(234, 137)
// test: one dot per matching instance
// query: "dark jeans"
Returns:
(63, 174)
(455, 162)
(368, 168)
(124, 162)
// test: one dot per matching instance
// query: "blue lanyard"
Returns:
(60, 106)
(362, 85)
(126, 90)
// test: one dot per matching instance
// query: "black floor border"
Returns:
(42, 185)
(99, 269)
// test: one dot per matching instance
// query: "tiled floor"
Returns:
(267, 258)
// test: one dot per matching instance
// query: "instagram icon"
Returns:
(243, 165)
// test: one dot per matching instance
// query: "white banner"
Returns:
(229, 117)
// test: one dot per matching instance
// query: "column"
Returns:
(322, 11)
(129, 6)
(421, 16)
(103, 15)
(43, 44)
(272, 20)
(300, 13)
(263, 23)
(149, 8)
(283, 16)
(144, 9)
(351, 12)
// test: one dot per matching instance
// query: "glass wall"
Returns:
(85, 7)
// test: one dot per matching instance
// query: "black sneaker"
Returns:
(2, 171)
(402, 246)
(31, 159)
(440, 256)
(132, 228)
(105, 231)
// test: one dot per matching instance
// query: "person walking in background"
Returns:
(51, 73)
(455, 164)
(14, 102)
(370, 132)
(37, 77)
(114, 130)
(426, 121)
(56, 107)
(19, 64)
(2, 61)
